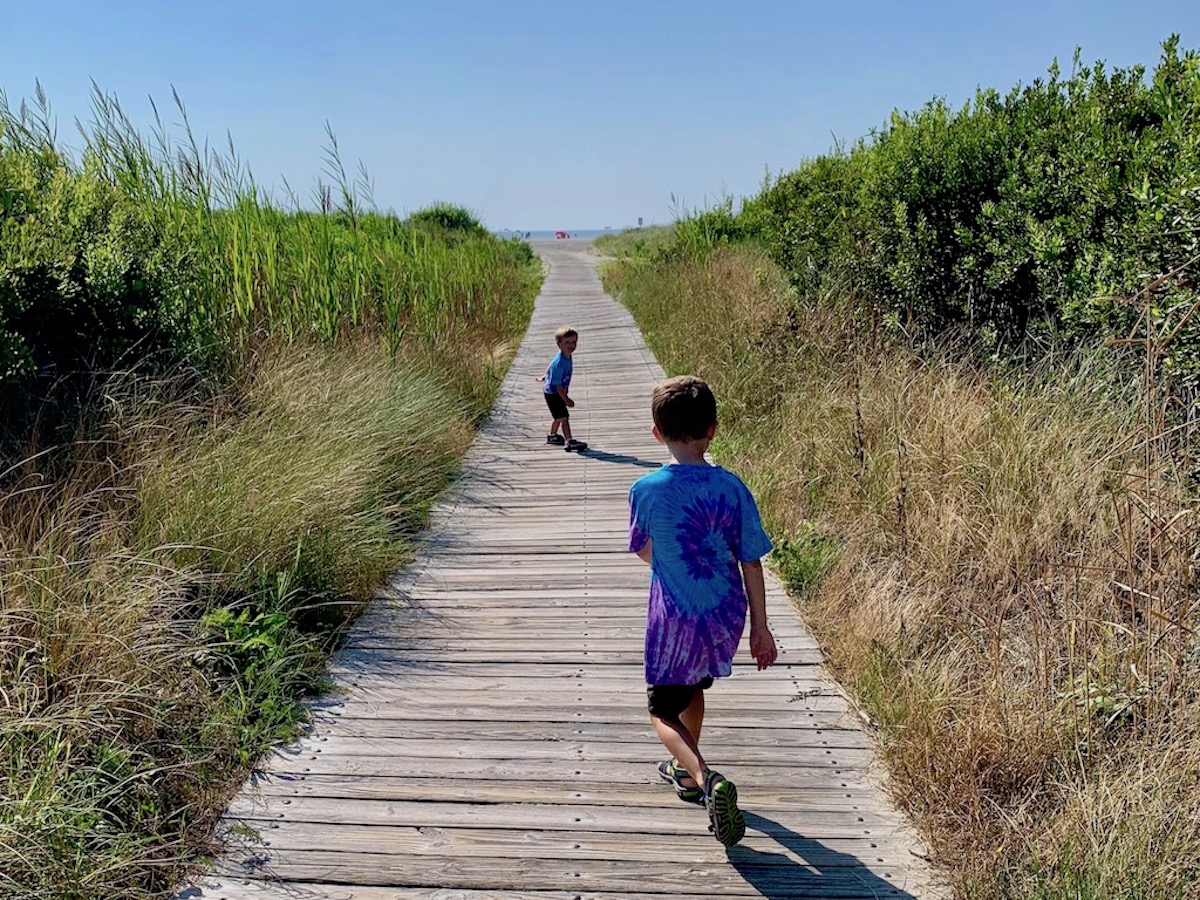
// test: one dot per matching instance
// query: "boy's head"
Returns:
(684, 409)
(567, 339)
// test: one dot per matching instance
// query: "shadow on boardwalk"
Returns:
(781, 877)
(623, 459)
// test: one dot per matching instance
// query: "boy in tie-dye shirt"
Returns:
(698, 527)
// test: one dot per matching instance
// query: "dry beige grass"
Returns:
(159, 597)
(1011, 586)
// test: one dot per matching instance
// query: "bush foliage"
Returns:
(1022, 214)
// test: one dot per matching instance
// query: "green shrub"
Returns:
(803, 559)
(1017, 215)
(87, 278)
(446, 217)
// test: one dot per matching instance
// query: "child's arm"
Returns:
(644, 553)
(562, 392)
(762, 642)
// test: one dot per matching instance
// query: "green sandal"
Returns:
(725, 820)
(670, 772)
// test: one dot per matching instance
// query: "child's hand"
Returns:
(762, 646)
(570, 402)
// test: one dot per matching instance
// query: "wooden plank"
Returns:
(434, 659)
(744, 771)
(406, 661)
(532, 633)
(670, 817)
(396, 707)
(768, 707)
(572, 751)
(424, 841)
(642, 732)
(462, 628)
(769, 797)
(744, 676)
(746, 873)
(246, 889)
(593, 691)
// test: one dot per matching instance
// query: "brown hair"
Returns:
(683, 408)
(563, 333)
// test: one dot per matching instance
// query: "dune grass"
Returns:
(997, 558)
(167, 600)
(223, 422)
(636, 243)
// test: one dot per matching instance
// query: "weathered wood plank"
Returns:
(745, 873)
(341, 745)
(615, 641)
(640, 733)
(769, 797)
(233, 888)
(382, 678)
(576, 843)
(229, 888)
(746, 772)
(670, 817)
(396, 706)
(767, 708)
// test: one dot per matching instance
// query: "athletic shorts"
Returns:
(558, 406)
(667, 701)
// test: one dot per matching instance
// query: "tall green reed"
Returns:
(176, 242)
(168, 585)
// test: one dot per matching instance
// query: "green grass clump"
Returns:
(330, 461)
(802, 560)
(636, 243)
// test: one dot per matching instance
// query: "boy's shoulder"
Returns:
(650, 481)
(679, 477)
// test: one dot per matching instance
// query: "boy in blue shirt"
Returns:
(698, 527)
(557, 381)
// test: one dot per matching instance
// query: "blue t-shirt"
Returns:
(703, 522)
(558, 373)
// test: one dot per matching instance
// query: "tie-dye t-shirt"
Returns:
(703, 522)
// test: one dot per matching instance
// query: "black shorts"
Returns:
(667, 701)
(558, 406)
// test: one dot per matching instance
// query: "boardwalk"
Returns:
(488, 737)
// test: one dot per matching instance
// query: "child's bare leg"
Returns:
(693, 716)
(681, 737)
(555, 425)
(566, 427)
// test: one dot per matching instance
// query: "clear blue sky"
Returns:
(561, 114)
